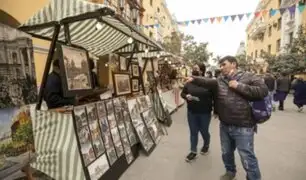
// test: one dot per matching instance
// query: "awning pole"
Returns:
(67, 34)
(48, 65)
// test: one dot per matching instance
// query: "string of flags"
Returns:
(262, 13)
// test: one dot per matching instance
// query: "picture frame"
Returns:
(135, 85)
(153, 126)
(74, 66)
(151, 78)
(135, 69)
(122, 63)
(122, 83)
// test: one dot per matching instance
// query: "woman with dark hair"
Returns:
(199, 107)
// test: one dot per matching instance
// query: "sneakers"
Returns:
(191, 156)
(204, 150)
(228, 176)
(300, 109)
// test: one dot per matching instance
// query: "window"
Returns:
(151, 2)
(158, 10)
(14, 56)
(270, 31)
(255, 53)
(269, 48)
(279, 23)
(279, 3)
(151, 34)
(261, 53)
(290, 38)
(278, 42)
(25, 56)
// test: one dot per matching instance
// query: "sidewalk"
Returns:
(280, 146)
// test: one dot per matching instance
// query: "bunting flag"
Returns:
(218, 19)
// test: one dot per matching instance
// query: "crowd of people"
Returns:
(228, 96)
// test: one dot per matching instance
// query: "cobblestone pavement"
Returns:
(280, 146)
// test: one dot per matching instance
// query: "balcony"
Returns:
(258, 30)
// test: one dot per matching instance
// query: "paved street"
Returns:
(280, 146)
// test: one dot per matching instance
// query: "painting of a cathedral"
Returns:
(17, 71)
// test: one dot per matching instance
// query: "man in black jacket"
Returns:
(270, 81)
(237, 126)
(54, 92)
(199, 107)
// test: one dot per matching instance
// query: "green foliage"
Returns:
(294, 61)
(173, 43)
(24, 133)
(195, 52)
(5, 99)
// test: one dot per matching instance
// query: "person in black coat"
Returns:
(53, 94)
(199, 107)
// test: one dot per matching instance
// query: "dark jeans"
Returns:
(242, 138)
(198, 123)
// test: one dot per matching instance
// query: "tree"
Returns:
(217, 59)
(195, 52)
(173, 43)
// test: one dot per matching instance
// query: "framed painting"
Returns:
(135, 85)
(135, 69)
(122, 63)
(74, 67)
(122, 84)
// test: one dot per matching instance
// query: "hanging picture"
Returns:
(135, 85)
(74, 65)
(135, 69)
(106, 134)
(17, 76)
(98, 168)
(122, 84)
(151, 78)
(122, 63)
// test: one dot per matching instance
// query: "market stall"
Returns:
(97, 138)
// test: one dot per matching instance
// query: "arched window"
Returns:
(15, 58)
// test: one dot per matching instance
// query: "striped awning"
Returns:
(82, 18)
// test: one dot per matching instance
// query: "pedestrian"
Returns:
(270, 81)
(199, 108)
(237, 126)
(282, 90)
(299, 94)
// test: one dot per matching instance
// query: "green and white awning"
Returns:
(100, 37)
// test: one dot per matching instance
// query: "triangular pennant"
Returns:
(192, 21)
(186, 22)
(212, 20)
(282, 10)
(264, 12)
(151, 26)
(219, 19)
(301, 8)
(272, 12)
(157, 25)
(240, 16)
(248, 15)
(225, 18)
(257, 14)
(292, 9)
(205, 20)
(233, 17)
(199, 21)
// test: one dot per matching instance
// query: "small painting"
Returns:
(98, 168)
(135, 85)
(135, 69)
(122, 84)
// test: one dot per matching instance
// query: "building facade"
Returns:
(241, 49)
(157, 13)
(291, 21)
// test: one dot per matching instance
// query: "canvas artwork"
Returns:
(112, 121)
(151, 78)
(91, 110)
(127, 150)
(145, 138)
(96, 138)
(117, 141)
(76, 67)
(122, 84)
(101, 109)
(109, 106)
(148, 116)
(118, 111)
(134, 109)
(17, 71)
(104, 125)
(80, 116)
(129, 128)
(155, 131)
(148, 99)
(110, 148)
(87, 150)
(122, 63)
(135, 85)
(98, 168)
(135, 69)
(144, 105)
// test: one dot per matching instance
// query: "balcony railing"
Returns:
(258, 30)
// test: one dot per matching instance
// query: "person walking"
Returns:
(237, 127)
(299, 95)
(282, 90)
(270, 81)
(199, 108)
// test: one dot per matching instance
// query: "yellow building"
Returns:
(16, 12)
(157, 12)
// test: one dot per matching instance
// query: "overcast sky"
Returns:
(223, 38)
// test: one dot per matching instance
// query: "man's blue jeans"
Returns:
(198, 123)
(242, 138)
